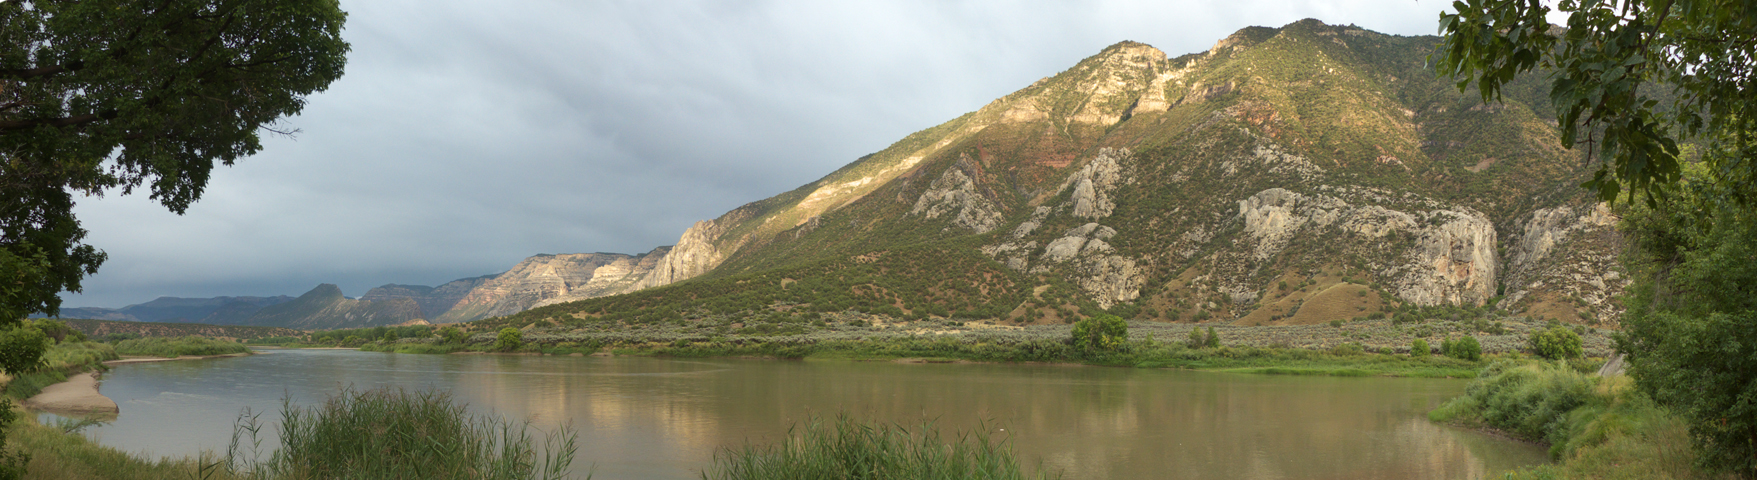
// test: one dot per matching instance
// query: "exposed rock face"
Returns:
(1093, 184)
(1450, 261)
(1565, 258)
(954, 195)
(536, 279)
(1083, 251)
(620, 276)
(693, 255)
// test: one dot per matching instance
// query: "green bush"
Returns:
(1419, 348)
(1213, 338)
(21, 349)
(1466, 348)
(1197, 340)
(1103, 333)
(509, 339)
(453, 335)
(1555, 343)
(1533, 401)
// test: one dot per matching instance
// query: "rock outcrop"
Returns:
(1449, 257)
(1562, 264)
(955, 196)
(694, 254)
(532, 281)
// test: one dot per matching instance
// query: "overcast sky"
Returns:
(468, 135)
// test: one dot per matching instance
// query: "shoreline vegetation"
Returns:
(1356, 348)
(1597, 428)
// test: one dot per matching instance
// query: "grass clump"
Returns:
(173, 347)
(848, 449)
(385, 433)
(1596, 427)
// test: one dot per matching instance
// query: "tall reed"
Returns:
(393, 434)
(848, 449)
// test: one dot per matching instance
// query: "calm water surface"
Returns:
(664, 418)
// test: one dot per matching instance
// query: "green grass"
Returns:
(391, 434)
(55, 454)
(59, 361)
(847, 449)
(173, 347)
(1596, 427)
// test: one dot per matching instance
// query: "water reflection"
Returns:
(663, 418)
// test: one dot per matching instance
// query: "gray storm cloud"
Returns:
(466, 136)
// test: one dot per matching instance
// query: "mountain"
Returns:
(553, 278)
(1285, 175)
(216, 310)
(324, 307)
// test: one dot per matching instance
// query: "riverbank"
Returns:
(1595, 427)
(1348, 361)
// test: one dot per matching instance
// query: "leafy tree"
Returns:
(1419, 348)
(101, 95)
(1213, 338)
(1600, 63)
(1197, 340)
(1690, 332)
(1467, 348)
(1103, 333)
(1556, 342)
(509, 339)
(21, 349)
(452, 334)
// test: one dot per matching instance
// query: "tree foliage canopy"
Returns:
(1691, 326)
(108, 94)
(1606, 65)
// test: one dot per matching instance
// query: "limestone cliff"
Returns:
(1562, 264)
(538, 278)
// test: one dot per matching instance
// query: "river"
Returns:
(655, 418)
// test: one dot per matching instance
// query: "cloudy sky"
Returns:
(468, 135)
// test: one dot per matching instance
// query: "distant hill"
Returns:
(214, 310)
(325, 307)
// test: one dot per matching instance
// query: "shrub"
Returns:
(453, 334)
(1197, 340)
(1467, 348)
(1213, 338)
(509, 339)
(1347, 349)
(21, 349)
(1103, 333)
(1419, 348)
(1555, 343)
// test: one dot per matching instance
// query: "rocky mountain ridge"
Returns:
(1307, 168)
